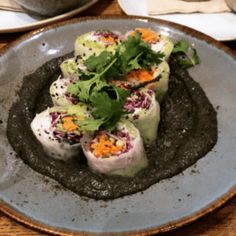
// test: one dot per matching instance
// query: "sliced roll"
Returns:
(94, 42)
(144, 113)
(164, 45)
(157, 42)
(160, 72)
(57, 131)
(59, 94)
(118, 152)
(71, 67)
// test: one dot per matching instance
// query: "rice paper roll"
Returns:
(71, 70)
(71, 67)
(160, 72)
(164, 45)
(117, 152)
(157, 42)
(161, 87)
(144, 113)
(59, 94)
(94, 42)
(56, 130)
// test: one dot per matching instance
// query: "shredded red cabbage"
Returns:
(137, 99)
(126, 137)
(74, 100)
(70, 137)
(54, 116)
(106, 33)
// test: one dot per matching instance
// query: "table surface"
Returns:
(221, 222)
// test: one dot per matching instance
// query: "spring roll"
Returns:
(59, 93)
(94, 42)
(157, 42)
(118, 152)
(71, 67)
(144, 113)
(160, 72)
(57, 131)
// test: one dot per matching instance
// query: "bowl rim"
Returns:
(47, 20)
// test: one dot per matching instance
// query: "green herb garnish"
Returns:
(95, 88)
(186, 56)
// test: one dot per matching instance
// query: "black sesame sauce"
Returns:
(187, 131)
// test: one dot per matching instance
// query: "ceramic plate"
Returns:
(220, 26)
(18, 21)
(42, 203)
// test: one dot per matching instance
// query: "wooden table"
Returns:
(221, 222)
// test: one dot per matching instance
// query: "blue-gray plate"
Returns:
(42, 203)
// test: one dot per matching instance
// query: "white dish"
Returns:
(18, 21)
(220, 26)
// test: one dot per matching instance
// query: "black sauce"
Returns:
(187, 131)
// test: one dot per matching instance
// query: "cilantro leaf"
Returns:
(98, 63)
(185, 55)
(102, 104)
(90, 124)
(134, 53)
(181, 46)
(121, 94)
(108, 108)
(82, 88)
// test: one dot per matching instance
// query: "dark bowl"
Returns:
(48, 7)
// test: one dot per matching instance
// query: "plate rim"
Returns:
(46, 21)
(34, 224)
(26, 220)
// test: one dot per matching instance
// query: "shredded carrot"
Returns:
(141, 75)
(147, 35)
(68, 124)
(108, 39)
(121, 84)
(105, 146)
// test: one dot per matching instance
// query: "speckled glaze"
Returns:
(42, 203)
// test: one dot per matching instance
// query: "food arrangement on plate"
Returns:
(116, 116)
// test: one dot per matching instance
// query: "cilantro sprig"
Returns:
(96, 89)
(107, 108)
(185, 55)
(131, 54)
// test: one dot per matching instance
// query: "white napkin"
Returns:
(10, 5)
(156, 7)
